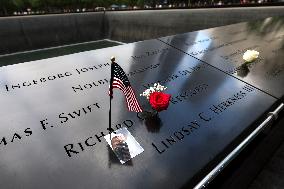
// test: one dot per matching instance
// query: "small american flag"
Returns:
(119, 80)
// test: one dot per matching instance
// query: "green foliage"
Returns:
(103, 3)
(141, 3)
(36, 3)
(132, 3)
(7, 7)
(19, 4)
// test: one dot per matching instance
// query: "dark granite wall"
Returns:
(34, 32)
(129, 26)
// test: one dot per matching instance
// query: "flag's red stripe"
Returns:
(131, 100)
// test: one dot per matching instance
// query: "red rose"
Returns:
(159, 101)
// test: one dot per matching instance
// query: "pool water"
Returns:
(21, 57)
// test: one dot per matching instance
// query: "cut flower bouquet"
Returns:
(158, 100)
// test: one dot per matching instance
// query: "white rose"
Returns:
(250, 55)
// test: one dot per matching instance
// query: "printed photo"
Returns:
(123, 145)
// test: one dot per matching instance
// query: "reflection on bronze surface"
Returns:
(153, 124)
(266, 26)
(151, 120)
(243, 70)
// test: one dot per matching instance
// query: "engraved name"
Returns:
(209, 49)
(37, 81)
(150, 53)
(194, 125)
(93, 140)
(90, 85)
(179, 74)
(200, 41)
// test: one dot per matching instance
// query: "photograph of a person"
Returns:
(123, 145)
